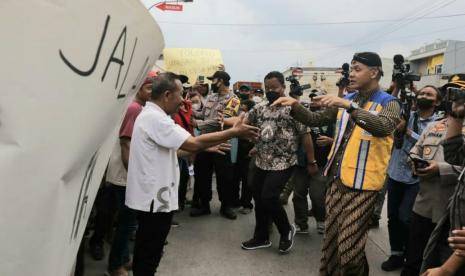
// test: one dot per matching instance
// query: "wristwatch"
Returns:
(353, 106)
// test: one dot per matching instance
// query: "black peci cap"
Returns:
(368, 58)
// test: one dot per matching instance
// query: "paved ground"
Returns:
(211, 246)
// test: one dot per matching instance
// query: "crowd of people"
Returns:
(344, 151)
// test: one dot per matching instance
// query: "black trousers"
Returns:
(184, 178)
(242, 195)
(401, 198)
(150, 240)
(105, 209)
(266, 188)
(205, 163)
(420, 231)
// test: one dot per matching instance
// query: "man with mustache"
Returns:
(356, 168)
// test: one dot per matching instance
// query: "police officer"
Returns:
(437, 183)
(221, 101)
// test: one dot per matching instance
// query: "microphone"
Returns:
(345, 66)
(398, 59)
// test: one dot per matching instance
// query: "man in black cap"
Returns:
(357, 164)
(221, 101)
(245, 93)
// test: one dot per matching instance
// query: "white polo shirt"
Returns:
(153, 171)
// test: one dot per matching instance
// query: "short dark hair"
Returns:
(277, 75)
(161, 83)
(438, 92)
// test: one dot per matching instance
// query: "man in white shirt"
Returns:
(153, 173)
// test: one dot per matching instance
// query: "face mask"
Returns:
(272, 96)
(243, 96)
(423, 103)
(214, 88)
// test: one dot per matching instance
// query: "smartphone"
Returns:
(201, 79)
(418, 162)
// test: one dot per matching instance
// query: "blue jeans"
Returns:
(401, 198)
(126, 223)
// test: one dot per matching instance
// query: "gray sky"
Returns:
(259, 36)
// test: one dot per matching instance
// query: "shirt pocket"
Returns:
(208, 108)
(429, 151)
(431, 146)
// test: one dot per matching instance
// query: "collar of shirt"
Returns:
(433, 117)
(156, 107)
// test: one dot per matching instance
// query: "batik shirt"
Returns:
(279, 136)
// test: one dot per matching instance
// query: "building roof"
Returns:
(429, 50)
(313, 68)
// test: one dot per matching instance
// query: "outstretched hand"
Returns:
(245, 131)
(221, 148)
(330, 100)
(284, 101)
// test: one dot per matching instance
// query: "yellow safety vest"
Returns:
(365, 158)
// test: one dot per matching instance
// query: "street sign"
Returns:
(169, 7)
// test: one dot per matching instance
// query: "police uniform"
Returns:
(206, 162)
(433, 195)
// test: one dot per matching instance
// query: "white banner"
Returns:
(67, 71)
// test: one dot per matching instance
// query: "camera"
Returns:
(454, 94)
(344, 81)
(295, 87)
(315, 132)
(401, 72)
(402, 75)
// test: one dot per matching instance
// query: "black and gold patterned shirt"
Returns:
(279, 138)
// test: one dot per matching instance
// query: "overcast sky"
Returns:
(258, 36)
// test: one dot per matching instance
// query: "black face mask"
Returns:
(272, 96)
(214, 88)
(424, 103)
(243, 96)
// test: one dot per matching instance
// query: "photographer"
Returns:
(402, 185)
(357, 164)
(445, 249)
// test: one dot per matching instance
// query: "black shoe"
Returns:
(286, 243)
(197, 212)
(96, 251)
(253, 244)
(393, 263)
(174, 223)
(228, 213)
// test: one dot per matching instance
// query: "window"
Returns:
(438, 69)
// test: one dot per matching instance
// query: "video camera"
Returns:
(344, 81)
(401, 72)
(402, 75)
(295, 87)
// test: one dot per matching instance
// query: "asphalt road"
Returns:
(210, 245)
